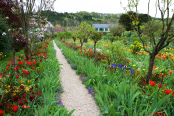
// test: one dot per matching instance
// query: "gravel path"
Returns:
(75, 95)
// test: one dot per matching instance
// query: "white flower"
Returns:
(3, 33)
(8, 29)
(7, 17)
(17, 39)
(13, 9)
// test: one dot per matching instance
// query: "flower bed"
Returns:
(119, 90)
(28, 88)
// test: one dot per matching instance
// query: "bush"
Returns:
(5, 45)
(136, 47)
(46, 35)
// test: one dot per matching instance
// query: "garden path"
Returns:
(75, 95)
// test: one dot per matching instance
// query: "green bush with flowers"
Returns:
(136, 47)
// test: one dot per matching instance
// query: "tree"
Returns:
(75, 34)
(60, 35)
(5, 46)
(96, 36)
(16, 40)
(166, 35)
(117, 30)
(126, 19)
(67, 33)
(26, 9)
(84, 32)
(112, 38)
(10, 10)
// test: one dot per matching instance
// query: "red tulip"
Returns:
(22, 55)
(20, 103)
(17, 76)
(7, 68)
(168, 92)
(33, 67)
(15, 108)
(23, 70)
(152, 83)
(21, 86)
(8, 64)
(1, 112)
(160, 86)
(32, 98)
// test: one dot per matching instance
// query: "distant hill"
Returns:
(72, 19)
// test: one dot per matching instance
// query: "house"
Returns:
(103, 27)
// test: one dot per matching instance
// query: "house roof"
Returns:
(104, 25)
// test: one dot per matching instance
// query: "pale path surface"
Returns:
(75, 95)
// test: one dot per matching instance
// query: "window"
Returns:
(96, 29)
(101, 29)
(106, 29)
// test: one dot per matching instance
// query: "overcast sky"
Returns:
(104, 6)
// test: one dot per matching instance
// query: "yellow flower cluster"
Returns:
(169, 49)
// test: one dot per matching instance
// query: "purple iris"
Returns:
(119, 65)
(113, 65)
(89, 90)
(124, 67)
(132, 71)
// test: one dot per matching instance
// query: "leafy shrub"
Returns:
(5, 45)
(136, 47)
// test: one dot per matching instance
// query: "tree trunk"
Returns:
(151, 62)
(81, 44)
(74, 44)
(94, 47)
(27, 52)
(85, 40)
(14, 59)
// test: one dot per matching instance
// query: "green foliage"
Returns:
(129, 17)
(117, 31)
(112, 38)
(84, 32)
(67, 33)
(136, 47)
(5, 41)
(60, 35)
(96, 36)
(46, 35)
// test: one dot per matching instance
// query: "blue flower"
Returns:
(132, 71)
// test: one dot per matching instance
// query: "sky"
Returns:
(105, 6)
